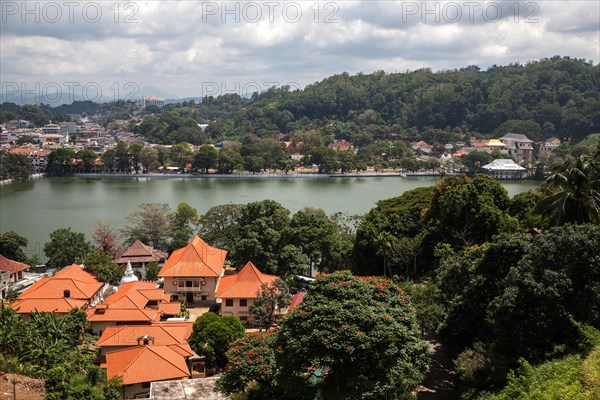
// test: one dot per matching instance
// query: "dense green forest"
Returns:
(558, 96)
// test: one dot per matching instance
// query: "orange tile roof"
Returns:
(153, 294)
(130, 302)
(63, 305)
(11, 266)
(47, 294)
(243, 285)
(25, 151)
(127, 335)
(122, 315)
(196, 259)
(146, 364)
(170, 308)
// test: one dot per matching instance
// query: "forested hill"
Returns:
(559, 97)
(554, 97)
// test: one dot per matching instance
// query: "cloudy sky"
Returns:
(196, 48)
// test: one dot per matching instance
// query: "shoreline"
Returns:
(264, 175)
(261, 175)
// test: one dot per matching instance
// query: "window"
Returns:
(243, 319)
(228, 302)
(203, 297)
(243, 302)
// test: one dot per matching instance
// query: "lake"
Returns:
(37, 207)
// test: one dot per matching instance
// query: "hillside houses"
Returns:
(14, 269)
(518, 146)
(69, 288)
(140, 255)
(192, 273)
(136, 302)
(236, 293)
(141, 338)
(138, 366)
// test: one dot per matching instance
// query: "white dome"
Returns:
(129, 275)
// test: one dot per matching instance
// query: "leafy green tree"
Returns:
(291, 261)
(14, 166)
(572, 192)
(11, 244)
(559, 279)
(181, 155)
(212, 335)
(152, 270)
(261, 225)
(346, 161)
(325, 158)
(122, 157)
(149, 159)
(87, 158)
(185, 222)
(475, 160)
(254, 164)
(228, 161)
(464, 212)
(525, 127)
(271, 297)
(103, 267)
(65, 248)
(206, 158)
(151, 223)
(400, 217)
(523, 204)
(322, 238)
(219, 226)
(135, 152)
(60, 162)
(109, 160)
(12, 330)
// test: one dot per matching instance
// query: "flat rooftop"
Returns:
(200, 388)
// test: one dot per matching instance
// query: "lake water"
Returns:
(37, 207)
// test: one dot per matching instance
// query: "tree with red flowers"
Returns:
(352, 337)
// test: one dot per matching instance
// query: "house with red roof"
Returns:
(164, 333)
(421, 146)
(341, 145)
(134, 303)
(296, 299)
(15, 269)
(68, 288)
(237, 292)
(192, 273)
(140, 255)
(147, 362)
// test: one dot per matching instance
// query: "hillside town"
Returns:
(143, 327)
(99, 149)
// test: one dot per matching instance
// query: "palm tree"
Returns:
(573, 192)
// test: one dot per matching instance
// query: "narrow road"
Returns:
(439, 380)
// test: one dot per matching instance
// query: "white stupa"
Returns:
(129, 275)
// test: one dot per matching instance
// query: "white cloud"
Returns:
(181, 46)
